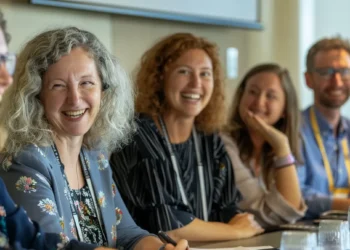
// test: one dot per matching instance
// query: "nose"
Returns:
(259, 101)
(195, 80)
(5, 78)
(73, 95)
(337, 80)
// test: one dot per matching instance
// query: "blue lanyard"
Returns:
(86, 174)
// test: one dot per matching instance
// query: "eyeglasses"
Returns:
(328, 73)
(9, 59)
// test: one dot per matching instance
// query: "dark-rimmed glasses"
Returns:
(328, 73)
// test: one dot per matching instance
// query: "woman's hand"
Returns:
(181, 245)
(245, 225)
(278, 140)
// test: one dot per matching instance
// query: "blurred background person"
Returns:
(325, 177)
(263, 141)
(175, 175)
(7, 66)
(71, 102)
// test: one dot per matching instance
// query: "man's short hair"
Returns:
(325, 44)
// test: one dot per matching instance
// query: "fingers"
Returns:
(237, 217)
(248, 220)
(272, 135)
(256, 123)
(181, 245)
(255, 224)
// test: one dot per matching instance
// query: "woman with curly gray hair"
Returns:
(71, 102)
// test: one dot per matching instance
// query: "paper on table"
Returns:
(234, 248)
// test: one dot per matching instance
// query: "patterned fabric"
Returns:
(4, 242)
(146, 179)
(88, 220)
(312, 175)
(17, 228)
(34, 180)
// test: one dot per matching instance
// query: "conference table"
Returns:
(266, 239)
(272, 238)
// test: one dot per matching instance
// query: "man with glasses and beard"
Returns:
(325, 176)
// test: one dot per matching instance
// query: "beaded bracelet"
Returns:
(281, 162)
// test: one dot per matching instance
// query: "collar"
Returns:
(325, 127)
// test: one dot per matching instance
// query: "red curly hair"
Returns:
(151, 73)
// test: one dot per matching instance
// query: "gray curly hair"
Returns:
(22, 113)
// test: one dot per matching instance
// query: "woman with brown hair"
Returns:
(262, 141)
(176, 175)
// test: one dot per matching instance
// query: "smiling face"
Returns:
(333, 92)
(189, 84)
(263, 95)
(71, 94)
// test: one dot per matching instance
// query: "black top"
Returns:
(146, 179)
(88, 220)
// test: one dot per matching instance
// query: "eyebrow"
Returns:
(253, 85)
(87, 76)
(188, 66)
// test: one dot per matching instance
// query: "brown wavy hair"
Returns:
(289, 124)
(325, 44)
(151, 74)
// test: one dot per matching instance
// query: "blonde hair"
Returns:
(150, 79)
(22, 113)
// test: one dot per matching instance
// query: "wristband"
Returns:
(281, 162)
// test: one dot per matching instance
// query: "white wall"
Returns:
(129, 37)
(319, 19)
(306, 39)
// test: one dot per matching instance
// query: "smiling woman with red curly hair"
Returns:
(176, 175)
(155, 64)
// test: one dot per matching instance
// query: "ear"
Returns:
(308, 80)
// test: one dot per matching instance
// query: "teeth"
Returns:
(192, 96)
(335, 92)
(76, 113)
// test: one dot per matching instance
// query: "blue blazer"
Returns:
(34, 180)
(18, 232)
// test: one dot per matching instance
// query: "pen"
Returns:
(164, 237)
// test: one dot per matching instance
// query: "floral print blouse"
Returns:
(34, 179)
(92, 232)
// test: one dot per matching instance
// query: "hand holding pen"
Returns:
(172, 244)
